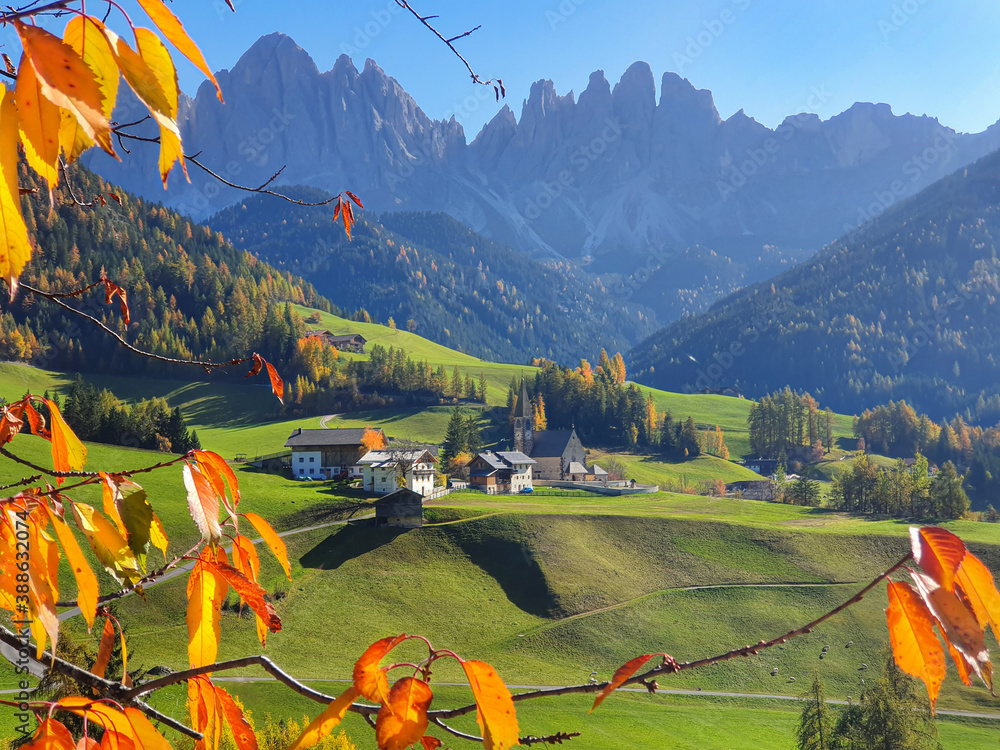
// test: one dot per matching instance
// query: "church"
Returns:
(558, 454)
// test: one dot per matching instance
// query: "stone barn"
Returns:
(401, 509)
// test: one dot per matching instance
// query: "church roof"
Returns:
(551, 443)
(523, 406)
(575, 467)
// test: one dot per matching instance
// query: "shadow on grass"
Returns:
(348, 543)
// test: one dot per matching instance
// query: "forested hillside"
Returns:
(435, 276)
(191, 293)
(901, 309)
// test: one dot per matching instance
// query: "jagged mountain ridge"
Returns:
(615, 176)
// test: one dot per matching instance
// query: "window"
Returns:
(312, 459)
(312, 471)
(302, 459)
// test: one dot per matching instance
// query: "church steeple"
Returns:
(524, 421)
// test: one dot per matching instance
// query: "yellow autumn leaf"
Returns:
(110, 547)
(86, 36)
(158, 536)
(205, 591)
(15, 248)
(38, 120)
(66, 81)
(157, 58)
(174, 31)
(86, 581)
(68, 453)
(325, 723)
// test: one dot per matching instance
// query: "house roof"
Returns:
(347, 338)
(597, 471)
(347, 436)
(551, 443)
(575, 467)
(515, 457)
(388, 459)
(523, 406)
(401, 498)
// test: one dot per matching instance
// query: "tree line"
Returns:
(789, 425)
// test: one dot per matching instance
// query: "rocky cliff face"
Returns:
(626, 176)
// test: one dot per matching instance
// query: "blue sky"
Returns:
(769, 57)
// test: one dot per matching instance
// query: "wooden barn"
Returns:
(402, 509)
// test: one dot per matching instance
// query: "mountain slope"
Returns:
(628, 176)
(457, 287)
(903, 308)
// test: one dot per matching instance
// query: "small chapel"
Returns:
(558, 454)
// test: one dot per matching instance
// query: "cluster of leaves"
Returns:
(900, 309)
(402, 719)
(457, 287)
(100, 416)
(788, 424)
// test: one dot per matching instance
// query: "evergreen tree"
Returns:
(815, 730)
(455, 437)
(668, 435)
(472, 435)
(481, 391)
(689, 444)
(456, 383)
(947, 496)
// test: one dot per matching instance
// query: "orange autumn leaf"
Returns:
(15, 247)
(203, 711)
(50, 735)
(976, 582)
(277, 384)
(938, 552)
(106, 648)
(39, 121)
(174, 31)
(112, 290)
(36, 421)
(243, 734)
(157, 59)
(144, 732)
(430, 743)
(402, 720)
(66, 81)
(272, 540)
(495, 712)
(203, 504)
(219, 473)
(623, 673)
(915, 647)
(369, 679)
(68, 453)
(956, 621)
(326, 722)
(206, 590)
(251, 593)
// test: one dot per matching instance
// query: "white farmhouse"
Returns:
(385, 471)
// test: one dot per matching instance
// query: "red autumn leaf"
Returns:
(430, 743)
(915, 647)
(112, 290)
(402, 720)
(115, 197)
(348, 218)
(219, 474)
(938, 552)
(37, 421)
(242, 731)
(495, 712)
(251, 593)
(369, 679)
(105, 649)
(354, 198)
(258, 365)
(623, 672)
(336, 208)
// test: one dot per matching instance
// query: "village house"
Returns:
(501, 472)
(401, 508)
(325, 454)
(346, 342)
(384, 471)
(558, 454)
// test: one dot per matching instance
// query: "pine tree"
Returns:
(689, 444)
(472, 435)
(947, 497)
(481, 391)
(456, 383)
(455, 437)
(815, 730)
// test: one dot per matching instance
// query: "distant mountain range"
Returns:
(428, 271)
(618, 180)
(903, 308)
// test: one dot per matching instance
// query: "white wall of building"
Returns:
(307, 464)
